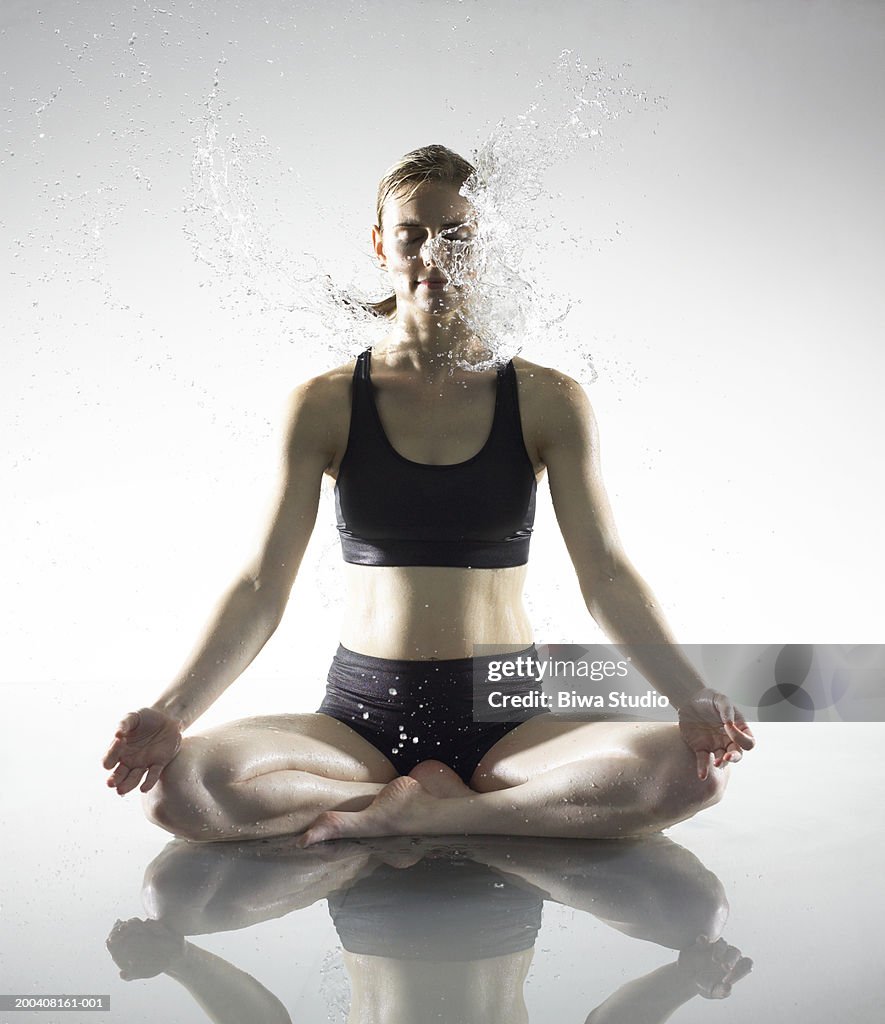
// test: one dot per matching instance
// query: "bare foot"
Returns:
(402, 808)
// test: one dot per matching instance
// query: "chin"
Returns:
(439, 300)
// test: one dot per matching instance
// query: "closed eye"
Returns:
(454, 233)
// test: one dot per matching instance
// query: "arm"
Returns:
(226, 994)
(248, 613)
(707, 969)
(616, 595)
(251, 609)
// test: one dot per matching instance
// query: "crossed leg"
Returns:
(269, 775)
(548, 777)
(310, 774)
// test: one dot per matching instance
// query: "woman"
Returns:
(436, 468)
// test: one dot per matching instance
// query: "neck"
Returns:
(429, 343)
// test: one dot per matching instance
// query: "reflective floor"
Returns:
(764, 908)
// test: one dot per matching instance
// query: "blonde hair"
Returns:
(429, 163)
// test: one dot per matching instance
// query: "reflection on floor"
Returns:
(448, 930)
(433, 930)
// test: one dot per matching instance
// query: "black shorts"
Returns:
(415, 711)
(438, 909)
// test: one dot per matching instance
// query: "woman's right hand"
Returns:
(145, 742)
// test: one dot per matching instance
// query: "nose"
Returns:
(426, 252)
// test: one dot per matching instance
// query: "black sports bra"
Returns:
(392, 511)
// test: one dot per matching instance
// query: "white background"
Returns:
(727, 250)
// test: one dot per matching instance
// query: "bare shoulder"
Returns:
(318, 414)
(545, 381)
(554, 407)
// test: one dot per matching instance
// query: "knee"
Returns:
(686, 794)
(714, 786)
(180, 882)
(180, 802)
(676, 791)
(710, 914)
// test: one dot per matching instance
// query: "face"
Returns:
(434, 217)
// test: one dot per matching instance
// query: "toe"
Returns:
(329, 825)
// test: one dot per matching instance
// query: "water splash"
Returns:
(227, 234)
(335, 988)
(501, 269)
(222, 220)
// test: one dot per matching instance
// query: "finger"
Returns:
(720, 951)
(741, 969)
(703, 759)
(126, 726)
(729, 959)
(131, 781)
(118, 774)
(738, 734)
(741, 723)
(723, 705)
(151, 778)
(721, 755)
(113, 754)
(129, 722)
(721, 990)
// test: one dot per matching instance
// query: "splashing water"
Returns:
(499, 269)
(222, 220)
(335, 988)
(227, 234)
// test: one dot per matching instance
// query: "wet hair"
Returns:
(402, 179)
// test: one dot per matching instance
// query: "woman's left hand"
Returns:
(715, 730)
(144, 949)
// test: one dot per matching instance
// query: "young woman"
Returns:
(436, 469)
